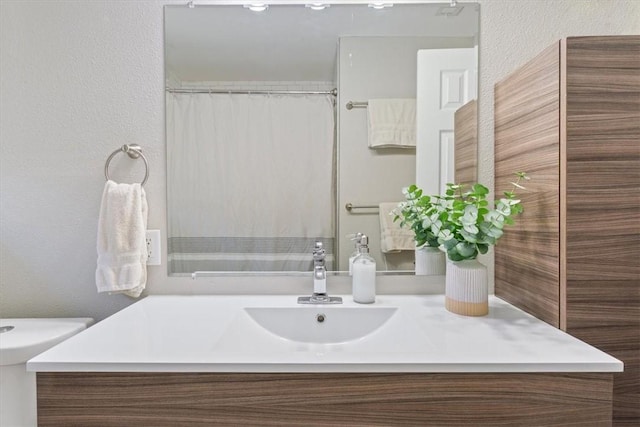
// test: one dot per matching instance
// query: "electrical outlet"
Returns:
(154, 248)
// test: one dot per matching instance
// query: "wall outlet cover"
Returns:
(154, 247)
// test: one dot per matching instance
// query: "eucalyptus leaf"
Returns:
(448, 243)
(469, 237)
(470, 230)
(465, 249)
(496, 233)
(454, 255)
(480, 189)
(503, 209)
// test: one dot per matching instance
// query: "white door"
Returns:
(446, 81)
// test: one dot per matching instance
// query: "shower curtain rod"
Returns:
(333, 92)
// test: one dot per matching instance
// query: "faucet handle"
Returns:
(318, 252)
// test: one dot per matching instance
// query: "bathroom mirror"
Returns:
(264, 156)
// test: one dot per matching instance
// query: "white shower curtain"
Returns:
(250, 180)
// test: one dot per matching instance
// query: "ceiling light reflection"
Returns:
(257, 7)
(317, 6)
(380, 5)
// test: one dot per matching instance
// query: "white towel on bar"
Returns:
(392, 123)
(394, 238)
(122, 247)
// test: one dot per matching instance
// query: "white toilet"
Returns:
(20, 340)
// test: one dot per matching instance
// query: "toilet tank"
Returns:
(20, 340)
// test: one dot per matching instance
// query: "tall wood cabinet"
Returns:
(571, 119)
(465, 137)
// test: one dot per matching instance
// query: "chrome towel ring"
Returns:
(134, 151)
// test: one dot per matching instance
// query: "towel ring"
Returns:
(134, 151)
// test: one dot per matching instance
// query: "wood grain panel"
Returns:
(607, 315)
(527, 138)
(599, 196)
(614, 322)
(603, 205)
(626, 390)
(466, 143)
(188, 399)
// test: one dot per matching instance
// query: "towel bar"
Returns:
(350, 206)
(134, 151)
(356, 104)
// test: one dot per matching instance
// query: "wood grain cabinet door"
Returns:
(571, 118)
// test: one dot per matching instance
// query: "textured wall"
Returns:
(79, 79)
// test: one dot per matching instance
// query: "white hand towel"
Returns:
(392, 123)
(394, 238)
(122, 247)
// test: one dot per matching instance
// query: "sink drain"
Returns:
(5, 328)
(320, 318)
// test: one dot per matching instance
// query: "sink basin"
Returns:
(326, 325)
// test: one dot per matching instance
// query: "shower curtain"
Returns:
(250, 181)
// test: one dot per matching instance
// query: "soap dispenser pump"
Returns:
(364, 274)
(356, 238)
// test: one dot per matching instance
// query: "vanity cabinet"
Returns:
(570, 118)
(323, 399)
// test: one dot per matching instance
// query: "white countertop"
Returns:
(203, 333)
(29, 337)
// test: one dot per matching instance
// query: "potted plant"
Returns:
(429, 259)
(465, 226)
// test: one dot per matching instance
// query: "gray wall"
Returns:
(79, 79)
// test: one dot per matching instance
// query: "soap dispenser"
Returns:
(356, 238)
(364, 274)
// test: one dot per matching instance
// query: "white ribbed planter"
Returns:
(467, 288)
(430, 261)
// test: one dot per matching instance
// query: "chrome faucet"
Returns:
(319, 271)
(319, 295)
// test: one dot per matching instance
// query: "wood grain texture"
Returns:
(188, 399)
(599, 194)
(603, 158)
(563, 185)
(603, 205)
(527, 138)
(613, 325)
(466, 143)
